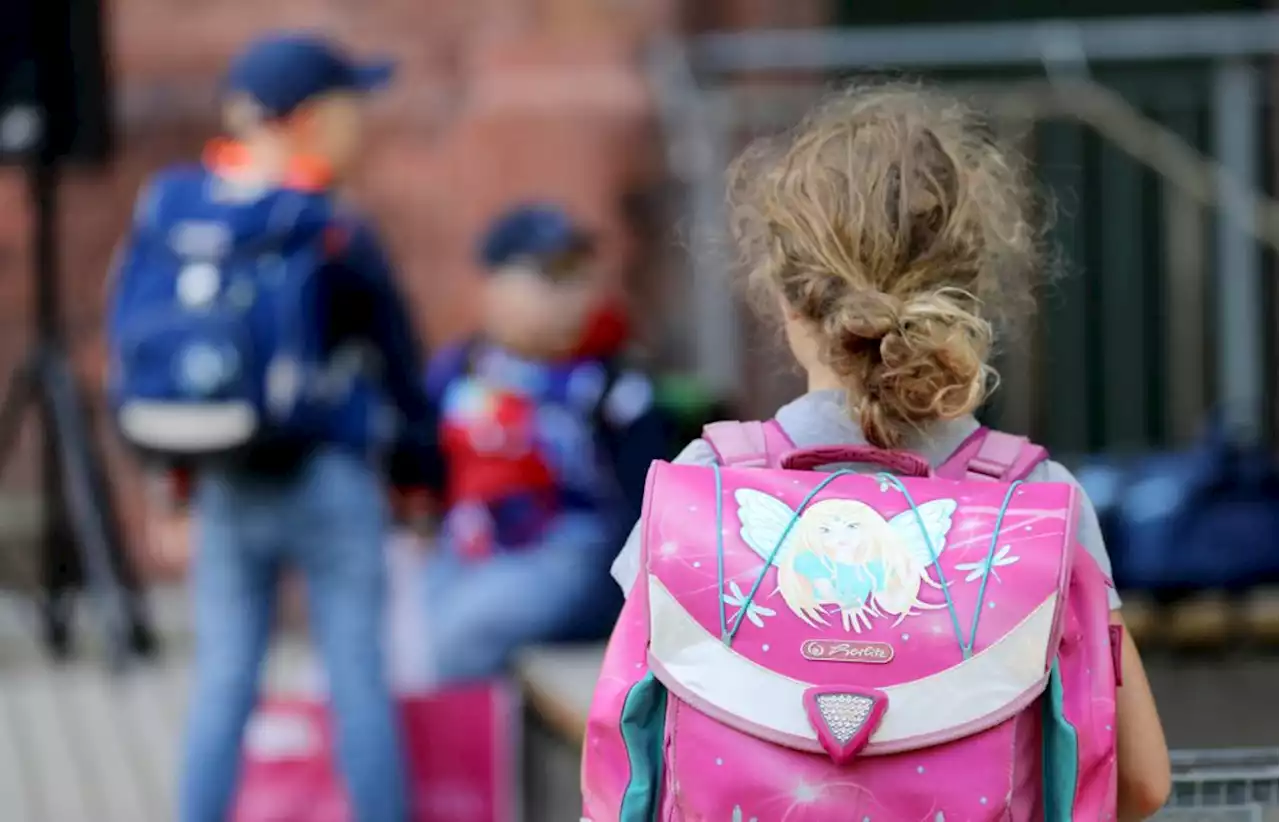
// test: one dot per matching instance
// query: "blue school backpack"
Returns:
(214, 327)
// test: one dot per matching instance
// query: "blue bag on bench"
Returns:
(1202, 519)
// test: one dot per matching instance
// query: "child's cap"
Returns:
(537, 232)
(282, 71)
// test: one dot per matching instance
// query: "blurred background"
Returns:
(1151, 367)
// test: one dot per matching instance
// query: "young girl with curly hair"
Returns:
(897, 241)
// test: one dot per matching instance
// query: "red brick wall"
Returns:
(487, 109)
(497, 100)
(753, 14)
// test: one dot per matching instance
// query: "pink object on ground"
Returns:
(460, 745)
(811, 648)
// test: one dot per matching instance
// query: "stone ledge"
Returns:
(559, 682)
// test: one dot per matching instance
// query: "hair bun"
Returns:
(932, 367)
(870, 315)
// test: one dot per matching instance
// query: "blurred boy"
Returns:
(310, 493)
(548, 437)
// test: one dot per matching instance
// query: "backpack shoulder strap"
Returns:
(997, 457)
(161, 192)
(740, 444)
(746, 444)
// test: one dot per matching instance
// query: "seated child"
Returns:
(548, 437)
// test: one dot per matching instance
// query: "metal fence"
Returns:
(1223, 786)
(1152, 136)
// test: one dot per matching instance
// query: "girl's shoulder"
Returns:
(697, 452)
(1051, 471)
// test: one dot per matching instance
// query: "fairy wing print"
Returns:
(923, 532)
(764, 521)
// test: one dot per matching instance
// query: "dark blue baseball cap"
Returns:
(282, 71)
(535, 231)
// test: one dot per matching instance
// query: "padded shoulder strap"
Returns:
(740, 444)
(745, 444)
(998, 457)
(164, 187)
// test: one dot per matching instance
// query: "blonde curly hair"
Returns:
(893, 225)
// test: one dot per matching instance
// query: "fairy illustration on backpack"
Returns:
(842, 554)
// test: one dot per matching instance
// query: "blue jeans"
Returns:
(482, 611)
(330, 522)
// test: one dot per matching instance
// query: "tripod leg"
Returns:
(142, 637)
(87, 515)
(59, 568)
(62, 571)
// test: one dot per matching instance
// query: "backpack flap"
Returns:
(854, 614)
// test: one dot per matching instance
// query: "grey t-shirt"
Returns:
(821, 418)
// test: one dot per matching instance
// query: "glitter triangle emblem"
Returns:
(844, 719)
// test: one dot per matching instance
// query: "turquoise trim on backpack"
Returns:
(644, 714)
(1061, 754)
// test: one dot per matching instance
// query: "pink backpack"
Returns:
(823, 647)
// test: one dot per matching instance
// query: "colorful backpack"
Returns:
(821, 647)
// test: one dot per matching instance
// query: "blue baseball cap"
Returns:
(283, 71)
(536, 231)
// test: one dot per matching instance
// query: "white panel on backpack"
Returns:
(969, 697)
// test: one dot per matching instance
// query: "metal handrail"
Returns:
(1148, 142)
(1212, 36)
(1114, 118)
(1065, 49)
(694, 132)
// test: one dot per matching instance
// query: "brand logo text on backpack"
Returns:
(836, 650)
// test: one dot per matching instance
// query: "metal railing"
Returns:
(694, 126)
(1224, 785)
(1196, 337)
(1184, 37)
